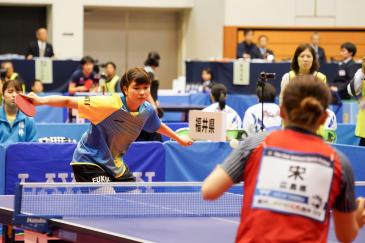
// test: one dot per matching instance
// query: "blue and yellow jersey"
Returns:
(113, 128)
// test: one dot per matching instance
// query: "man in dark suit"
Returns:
(265, 53)
(321, 55)
(247, 49)
(40, 48)
(345, 71)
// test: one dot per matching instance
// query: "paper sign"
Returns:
(207, 125)
(241, 72)
(44, 70)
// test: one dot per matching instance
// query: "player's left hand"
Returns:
(185, 141)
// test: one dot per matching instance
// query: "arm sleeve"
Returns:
(355, 86)
(345, 201)
(31, 131)
(239, 52)
(247, 120)
(324, 58)
(29, 50)
(74, 77)
(97, 108)
(235, 163)
(284, 83)
(52, 53)
(153, 123)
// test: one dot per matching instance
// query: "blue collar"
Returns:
(19, 116)
(123, 98)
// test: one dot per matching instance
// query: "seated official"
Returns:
(265, 53)
(247, 49)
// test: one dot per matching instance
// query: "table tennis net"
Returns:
(125, 200)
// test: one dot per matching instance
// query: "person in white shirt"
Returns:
(218, 97)
(252, 119)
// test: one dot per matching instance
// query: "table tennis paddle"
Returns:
(25, 105)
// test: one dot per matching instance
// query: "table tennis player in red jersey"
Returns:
(292, 179)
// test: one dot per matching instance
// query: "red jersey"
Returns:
(292, 180)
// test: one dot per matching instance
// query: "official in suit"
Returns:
(320, 53)
(345, 71)
(40, 48)
(247, 49)
(265, 53)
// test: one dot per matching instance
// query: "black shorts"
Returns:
(94, 173)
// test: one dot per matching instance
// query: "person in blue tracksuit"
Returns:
(15, 126)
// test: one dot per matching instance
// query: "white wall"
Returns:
(125, 36)
(203, 29)
(339, 13)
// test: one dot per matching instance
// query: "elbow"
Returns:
(346, 239)
(348, 236)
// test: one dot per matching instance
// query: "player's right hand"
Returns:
(35, 99)
(184, 141)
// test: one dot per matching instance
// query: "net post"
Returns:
(18, 199)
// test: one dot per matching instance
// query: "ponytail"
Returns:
(309, 110)
(222, 101)
(219, 93)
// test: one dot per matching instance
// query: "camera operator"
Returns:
(84, 79)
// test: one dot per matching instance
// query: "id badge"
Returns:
(294, 183)
(342, 73)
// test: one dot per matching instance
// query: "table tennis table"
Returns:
(137, 213)
(172, 216)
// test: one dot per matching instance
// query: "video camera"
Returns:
(265, 76)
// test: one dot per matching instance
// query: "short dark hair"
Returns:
(246, 31)
(298, 51)
(5, 62)
(12, 83)
(306, 99)
(209, 71)
(263, 36)
(87, 59)
(350, 47)
(139, 75)
(269, 93)
(153, 59)
(35, 81)
(110, 63)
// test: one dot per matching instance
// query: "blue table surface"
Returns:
(169, 229)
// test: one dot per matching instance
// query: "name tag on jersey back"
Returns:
(294, 183)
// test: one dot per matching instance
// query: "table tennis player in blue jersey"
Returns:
(116, 121)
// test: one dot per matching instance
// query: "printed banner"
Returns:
(37, 162)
